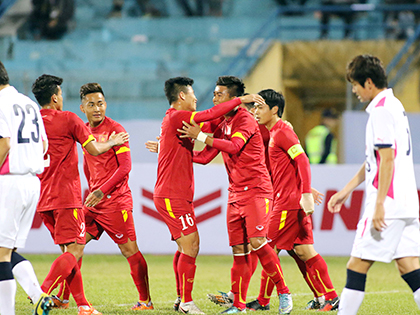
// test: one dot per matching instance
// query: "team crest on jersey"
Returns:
(103, 137)
(271, 143)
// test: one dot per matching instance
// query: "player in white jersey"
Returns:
(23, 142)
(389, 227)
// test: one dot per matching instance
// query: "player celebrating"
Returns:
(107, 175)
(174, 189)
(389, 227)
(23, 142)
(290, 227)
(61, 209)
(250, 193)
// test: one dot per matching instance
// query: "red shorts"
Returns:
(119, 225)
(247, 218)
(178, 215)
(65, 225)
(288, 228)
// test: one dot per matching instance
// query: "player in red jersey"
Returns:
(174, 189)
(61, 208)
(290, 227)
(107, 176)
(250, 193)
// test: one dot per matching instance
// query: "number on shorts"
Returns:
(82, 227)
(187, 220)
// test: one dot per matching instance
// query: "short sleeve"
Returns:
(383, 128)
(4, 127)
(79, 130)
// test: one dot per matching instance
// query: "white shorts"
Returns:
(19, 195)
(401, 238)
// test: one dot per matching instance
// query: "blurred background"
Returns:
(298, 47)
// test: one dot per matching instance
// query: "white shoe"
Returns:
(189, 308)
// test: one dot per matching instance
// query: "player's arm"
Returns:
(96, 148)
(4, 149)
(224, 108)
(205, 156)
(338, 199)
(124, 167)
(386, 170)
(232, 146)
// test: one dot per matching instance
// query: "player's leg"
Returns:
(180, 218)
(256, 213)
(177, 281)
(7, 283)
(407, 257)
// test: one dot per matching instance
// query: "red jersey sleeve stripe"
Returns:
(192, 117)
(240, 135)
(89, 139)
(122, 150)
(295, 150)
(169, 208)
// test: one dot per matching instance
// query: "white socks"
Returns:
(7, 297)
(24, 274)
(350, 301)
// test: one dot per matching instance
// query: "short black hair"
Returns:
(363, 67)
(174, 86)
(44, 87)
(4, 77)
(89, 88)
(273, 98)
(234, 85)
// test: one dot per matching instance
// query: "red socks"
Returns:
(75, 284)
(318, 275)
(138, 267)
(240, 275)
(271, 264)
(186, 272)
(302, 267)
(266, 289)
(61, 268)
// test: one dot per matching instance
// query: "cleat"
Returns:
(233, 310)
(256, 306)
(313, 305)
(44, 305)
(189, 308)
(330, 305)
(221, 299)
(59, 303)
(285, 303)
(140, 306)
(177, 303)
(88, 311)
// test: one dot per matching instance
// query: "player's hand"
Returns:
(378, 219)
(153, 146)
(307, 203)
(288, 123)
(189, 131)
(252, 98)
(318, 197)
(119, 138)
(336, 201)
(94, 198)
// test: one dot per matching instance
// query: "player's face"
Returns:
(263, 114)
(190, 101)
(221, 95)
(94, 106)
(363, 93)
(59, 99)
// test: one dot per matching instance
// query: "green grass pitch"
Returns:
(109, 287)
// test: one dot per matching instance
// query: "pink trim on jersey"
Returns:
(5, 168)
(376, 179)
(381, 103)
(364, 227)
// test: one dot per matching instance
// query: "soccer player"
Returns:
(290, 227)
(239, 139)
(174, 189)
(389, 227)
(107, 176)
(60, 204)
(23, 142)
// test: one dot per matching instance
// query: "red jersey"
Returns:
(109, 171)
(265, 133)
(60, 181)
(175, 177)
(284, 148)
(248, 174)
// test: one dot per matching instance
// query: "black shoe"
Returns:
(256, 306)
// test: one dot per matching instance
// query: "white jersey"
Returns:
(21, 121)
(388, 127)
